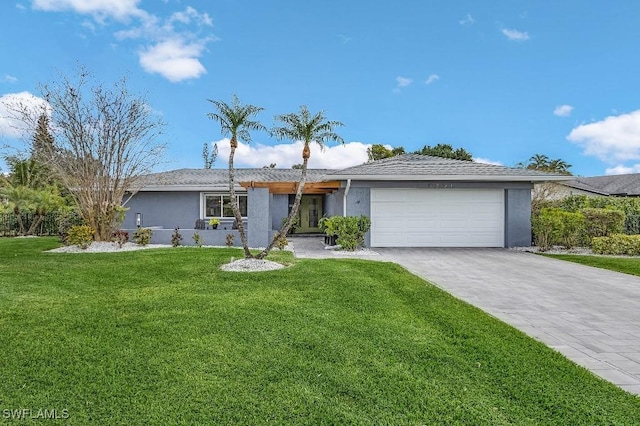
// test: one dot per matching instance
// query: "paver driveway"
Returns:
(590, 315)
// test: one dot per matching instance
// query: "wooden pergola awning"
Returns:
(292, 187)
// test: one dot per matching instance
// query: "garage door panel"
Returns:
(437, 218)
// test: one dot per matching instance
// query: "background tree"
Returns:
(104, 140)
(308, 128)
(446, 151)
(545, 164)
(236, 120)
(42, 140)
(545, 191)
(297, 166)
(378, 152)
(209, 155)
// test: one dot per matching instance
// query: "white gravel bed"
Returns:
(251, 265)
(106, 247)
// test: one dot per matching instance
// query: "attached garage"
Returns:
(436, 217)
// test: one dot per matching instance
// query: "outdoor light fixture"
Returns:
(138, 219)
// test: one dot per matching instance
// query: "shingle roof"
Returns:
(401, 167)
(218, 179)
(424, 167)
(608, 185)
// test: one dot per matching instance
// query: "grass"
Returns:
(165, 337)
(626, 265)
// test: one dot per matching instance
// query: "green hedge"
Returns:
(603, 222)
(558, 227)
(617, 244)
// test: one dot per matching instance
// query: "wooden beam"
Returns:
(292, 187)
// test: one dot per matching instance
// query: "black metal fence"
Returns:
(52, 224)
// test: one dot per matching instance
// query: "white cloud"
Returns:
(486, 161)
(172, 46)
(9, 78)
(100, 9)
(175, 60)
(403, 81)
(563, 110)
(467, 20)
(432, 78)
(515, 34)
(191, 14)
(614, 139)
(622, 170)
(286, 155)
(11, 106)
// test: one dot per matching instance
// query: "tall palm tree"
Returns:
(308, 128)
(236, 120)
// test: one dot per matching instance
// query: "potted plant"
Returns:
(214, 222)
(329, 227)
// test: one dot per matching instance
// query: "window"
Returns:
(219, 205)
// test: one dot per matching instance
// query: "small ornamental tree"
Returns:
(308, 128)
(237, 121)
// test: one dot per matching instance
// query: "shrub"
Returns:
(229, 240)
(557, 227)
(603, 222)
(282, 243)
(176, 237)
(120, 237)
(294, 225)
(572, 232)
(632, 224)
(197, 239)
(81, 236)
(142, 236)
(350, 230)
(617, 244)
(546, 225)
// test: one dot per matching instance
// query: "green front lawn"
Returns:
(164, 337)
(627, 265)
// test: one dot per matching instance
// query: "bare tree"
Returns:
(209, 155)
(104, 139)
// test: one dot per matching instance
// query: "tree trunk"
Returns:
(234, 200)
(21, 230)
(294, 211)
(37, 220)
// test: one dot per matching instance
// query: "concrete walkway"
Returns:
(590, 315)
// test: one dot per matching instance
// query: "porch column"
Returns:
(258, 222)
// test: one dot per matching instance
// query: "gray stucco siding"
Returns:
(279, 208)
(517, 232)
(163, 209)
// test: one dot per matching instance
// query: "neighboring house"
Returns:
(412, 200)
(617, 185)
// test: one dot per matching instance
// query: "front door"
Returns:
(310, 213)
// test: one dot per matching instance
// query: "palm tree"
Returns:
(236, 120)
(559, 166)
(538, 162)
(307, 128)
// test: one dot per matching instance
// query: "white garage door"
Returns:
(437, 218)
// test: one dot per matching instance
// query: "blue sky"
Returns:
(504, 79)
